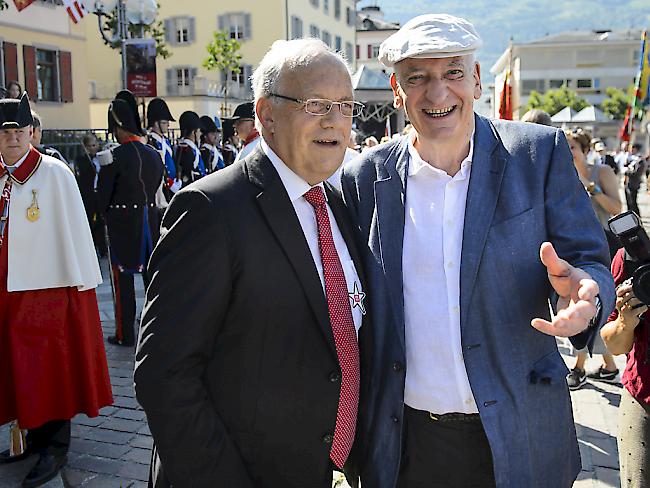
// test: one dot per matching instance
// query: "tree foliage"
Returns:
(223, 56)
(617, 101)
(156, 31)
(555, 100)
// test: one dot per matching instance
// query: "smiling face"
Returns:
(438, 96)
(313, 146)
(14, 143)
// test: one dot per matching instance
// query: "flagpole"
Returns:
(628, 124)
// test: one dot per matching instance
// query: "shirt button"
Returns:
(397, 366)
(450, 264)
(327, 438)
(455, 309)
(394, 418)
(468, 401)
(334, 377)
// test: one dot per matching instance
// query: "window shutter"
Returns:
(65, 75)
(358, 51)
(221, 22)
(192, 31)
(247, 71)
(248, 33)
(29, 59)
(369, 51)
(10, 55)
(172, 82)
(169, 32)
(193, 72)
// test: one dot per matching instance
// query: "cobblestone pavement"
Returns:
(114, 449)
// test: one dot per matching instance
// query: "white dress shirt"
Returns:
(436, 378)
(296, 187)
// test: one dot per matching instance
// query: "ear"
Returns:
(264, 113)
(478, 90)
(398, 101)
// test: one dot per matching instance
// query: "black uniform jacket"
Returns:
(85, 172)
(238, 372)
(125, 189)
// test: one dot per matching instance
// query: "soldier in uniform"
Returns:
(36, 140)
(158, 118)
(211, 144)
(52, 354)
(188, 155)
(244, 121)
(126, 195)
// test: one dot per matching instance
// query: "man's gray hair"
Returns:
(285, 56)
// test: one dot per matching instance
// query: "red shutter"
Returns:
(65, 75)
(29, 60)
(369, 51)
(10, 56)
(358, 51)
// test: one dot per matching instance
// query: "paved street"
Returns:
(114, 449)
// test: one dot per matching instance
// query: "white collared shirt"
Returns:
(296, 187)
(436, 378)
(17, 164)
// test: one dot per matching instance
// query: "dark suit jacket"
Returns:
(236, 363)
(523, 191)
(85, 172)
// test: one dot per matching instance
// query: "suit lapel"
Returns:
(389, 200)
(488, 166)
(279, 213)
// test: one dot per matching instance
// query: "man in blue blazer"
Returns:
(472, 228)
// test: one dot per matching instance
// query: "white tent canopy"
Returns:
(591, 114)
(567, 114)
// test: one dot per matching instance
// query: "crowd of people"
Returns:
(313, 306)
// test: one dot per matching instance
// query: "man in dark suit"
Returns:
(472, 226)
(247, 365)
(126, 193)
(86, 171)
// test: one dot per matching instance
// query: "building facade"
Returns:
(45, 52)
(587, 62)
(189, 27)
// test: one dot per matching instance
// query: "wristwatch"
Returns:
(593, 188)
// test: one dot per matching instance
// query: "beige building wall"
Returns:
(269, 20)
(48, 27)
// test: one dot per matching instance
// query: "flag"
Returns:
(21, 4)
(388, 132)
(641, 97)
(75, 9)
(505, 104)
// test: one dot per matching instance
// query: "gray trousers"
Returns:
(634, 442)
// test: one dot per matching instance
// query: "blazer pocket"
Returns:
(550, 370)
(515, 215)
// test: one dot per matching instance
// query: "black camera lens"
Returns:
(641, 283)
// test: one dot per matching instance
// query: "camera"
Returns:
(628, 228)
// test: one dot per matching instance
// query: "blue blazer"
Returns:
(523, 191)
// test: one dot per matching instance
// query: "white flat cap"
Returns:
(430, 36)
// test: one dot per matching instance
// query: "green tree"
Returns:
(156, 31)
(617, 101)
(555, 100)
(223, 56)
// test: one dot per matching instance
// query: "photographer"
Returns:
(627, 332)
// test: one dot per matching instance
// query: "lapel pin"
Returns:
(357, 297)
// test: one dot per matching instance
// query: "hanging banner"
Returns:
(141, 67)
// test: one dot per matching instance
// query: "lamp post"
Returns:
(137, 12)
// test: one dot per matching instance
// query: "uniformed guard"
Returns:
(128, 180)
(188, 155)
(158, 118)
(211, 144)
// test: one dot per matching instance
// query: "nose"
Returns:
(436, 90)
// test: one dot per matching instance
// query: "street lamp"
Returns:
(137, 12)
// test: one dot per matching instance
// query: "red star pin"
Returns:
(357, 297)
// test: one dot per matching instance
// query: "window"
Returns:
(183, 77)
(554, 84)
(375, 51)
(315, 3)
(584, 83)
(314, 31)
(338, 43)
(237, 24)
(529, 85)
(179, 30)
(47, 76)
(349, 16)
(296, 27)
(326, 6)
(327, 38)
(348, 52)
(241, 77)
(337, 9)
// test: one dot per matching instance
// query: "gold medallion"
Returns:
(33, 212)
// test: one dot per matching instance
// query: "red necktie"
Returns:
(345, 337)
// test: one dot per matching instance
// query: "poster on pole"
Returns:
(141, 67)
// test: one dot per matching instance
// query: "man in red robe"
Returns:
(51, 348)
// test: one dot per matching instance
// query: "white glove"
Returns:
(176, 186)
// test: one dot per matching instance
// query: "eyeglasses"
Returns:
(322, 106)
